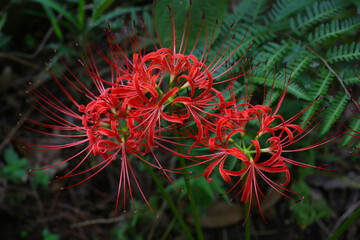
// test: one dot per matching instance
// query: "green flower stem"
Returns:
(190, 195)
(169, 201)
(345, 225)
(247, 224)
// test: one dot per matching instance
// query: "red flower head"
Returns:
(258, 137)
(147, 93)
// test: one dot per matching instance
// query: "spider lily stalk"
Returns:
(126, 115)
(258, 137)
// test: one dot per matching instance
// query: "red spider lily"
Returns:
(148, 93)
(259, 154)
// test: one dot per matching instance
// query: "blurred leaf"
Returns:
(53, 5)
(4, 40)
(99, 7)
(2, 20)
(16, 168)
(355, 127)
(49, 236)
(310, 209)
(29, 40)
(54, 22)
(113, 14)
(212, 10)
(81, 14)
(41, 178)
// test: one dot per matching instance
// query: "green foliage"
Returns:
(282, 9)
(41, 179)
(313, 207)
(315, 13)
(354, 125)
(99, 7)
(205, 191)
(334, 112)
(47, 235)
(129, 229)
(211, 9)
(334, 29)
(16, 168)
(52, 7)
(309, 210)
(348, 76)
(312, 38)
(4, 39)
(346, 52)
(320, 88)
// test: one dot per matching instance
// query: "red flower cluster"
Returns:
(147, 95)
(154, 94)
(258, 153)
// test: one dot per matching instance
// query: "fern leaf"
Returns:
(345, 52)
(293, 89)
(239, 14)
(334, 111)
(334, 29)
(273, 53)
(298, 60)
(319, 88)
(316, 13)
(348, 76)
(274, 96)
(255, 34)
(282, 9)
(355, 126)
(254, 13)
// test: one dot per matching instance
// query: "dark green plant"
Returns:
(16, 168)
(317, 40)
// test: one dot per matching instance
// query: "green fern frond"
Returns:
(282, 9)
(348, 77)
(254, 13)
(334, 29)
(354, 125)
(298, 60)
(346, 52)
(319, 88)
(238, 15)
(255, 34)
(274, 96)
(293, 89)
(334, 111)
(316, 13)
(273, 53)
